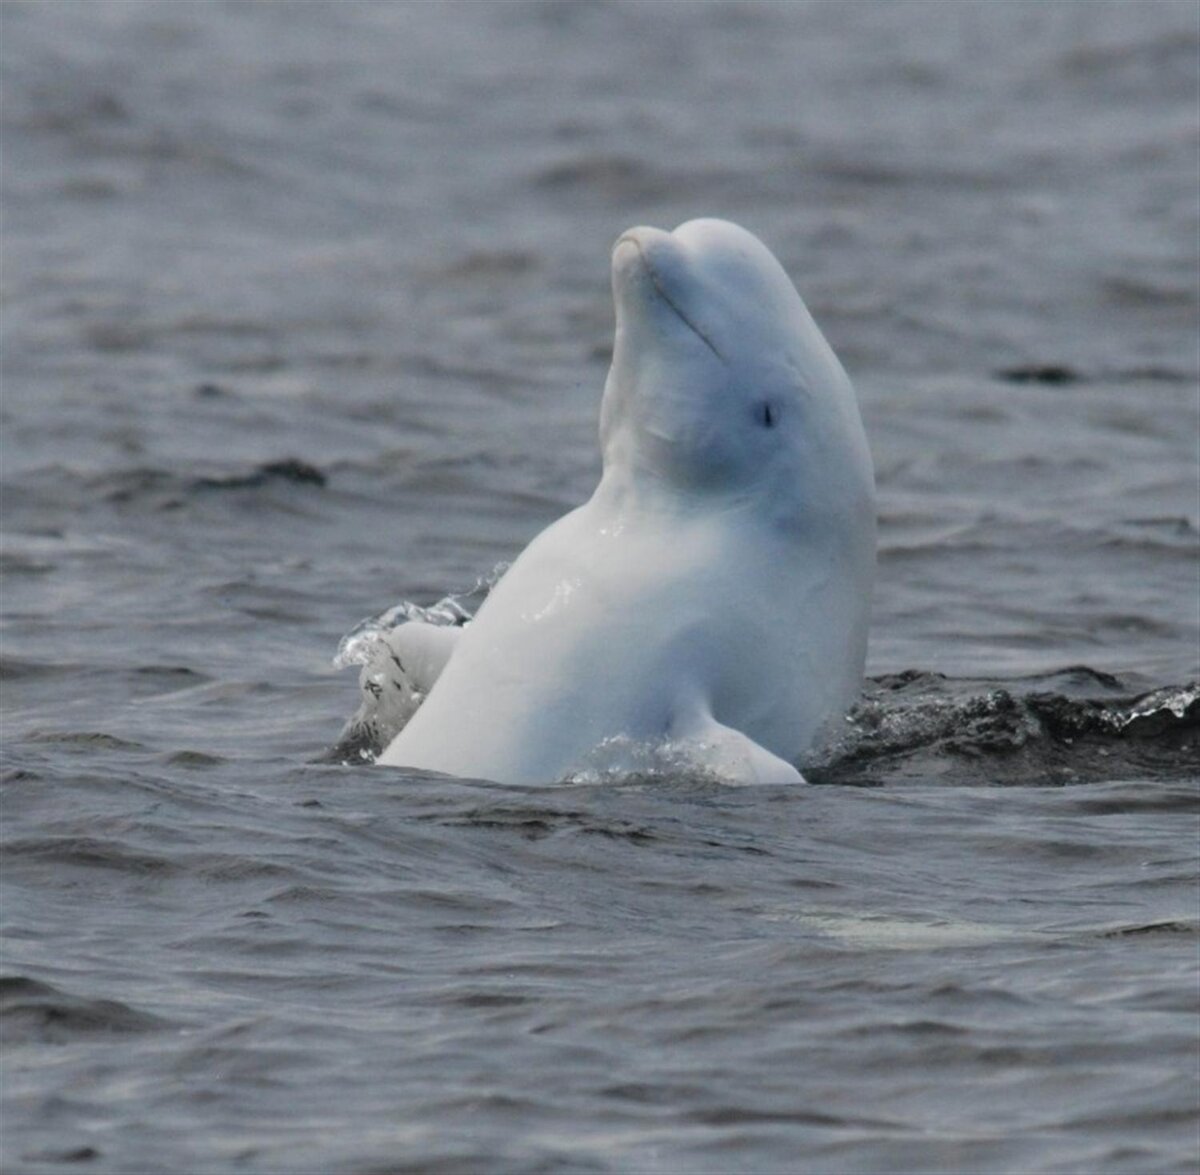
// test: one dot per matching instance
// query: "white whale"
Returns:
(714, 593)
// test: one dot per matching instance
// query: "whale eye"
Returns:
(766, 414)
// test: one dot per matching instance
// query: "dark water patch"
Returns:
(487, 1000)
(34, 1012)
(193, 760)
(1106, 375)
(941, 732)
(1153, 928)
(20, 775)
(1054, 374)
(1142, 797)
(77, 1154)
(723, 1116)
(290, 469)
(530, 827)
(1133, 293)
(14, 563)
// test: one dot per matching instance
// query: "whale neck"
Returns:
(632, 496)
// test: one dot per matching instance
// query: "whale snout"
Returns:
(652, 266)
(643, 248)
(643, 236)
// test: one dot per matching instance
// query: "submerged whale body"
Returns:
(713, 594)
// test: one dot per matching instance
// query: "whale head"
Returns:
(722, 386)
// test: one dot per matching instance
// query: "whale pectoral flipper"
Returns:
(734, 756)
(417, 652)
(402, 669)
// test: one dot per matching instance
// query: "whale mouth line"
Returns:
(662, 293)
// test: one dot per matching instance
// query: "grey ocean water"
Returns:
(306, 312)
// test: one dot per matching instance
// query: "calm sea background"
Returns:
(306, 312)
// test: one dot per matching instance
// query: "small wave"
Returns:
(22, 669)
(1152, 293)
(91, 740)
(164, 489)
(289, 469)
(1144, 61)
(31, 1011)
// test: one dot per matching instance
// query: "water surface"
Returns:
(306, 313)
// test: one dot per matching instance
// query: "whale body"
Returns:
(714, 592)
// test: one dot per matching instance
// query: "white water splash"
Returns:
(362, 643)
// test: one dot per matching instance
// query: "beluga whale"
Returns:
(711, 599)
